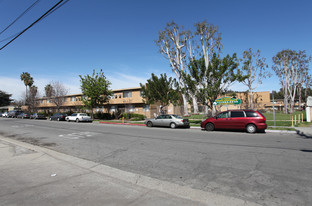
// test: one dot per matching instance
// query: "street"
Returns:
(266, 168)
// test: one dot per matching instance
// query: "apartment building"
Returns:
(123, 100)
(130, 100)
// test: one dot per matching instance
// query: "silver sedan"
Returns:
(168, 120)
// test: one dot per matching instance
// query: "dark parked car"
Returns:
(58, 117)
(24, 115)
(249, 120)
(168, 120)
(14, 113)
(37, 116)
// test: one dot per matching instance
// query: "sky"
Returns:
(119, 37)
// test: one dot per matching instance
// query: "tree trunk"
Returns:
(185, 107)
(195, 104)
(251, 100)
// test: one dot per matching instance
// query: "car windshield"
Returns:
(176, 116)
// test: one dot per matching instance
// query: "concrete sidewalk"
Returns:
(32, 175)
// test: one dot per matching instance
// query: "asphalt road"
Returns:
(270, 168)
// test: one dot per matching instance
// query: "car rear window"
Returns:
(251, 114)
(235, 114)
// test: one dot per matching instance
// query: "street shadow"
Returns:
(303, 135)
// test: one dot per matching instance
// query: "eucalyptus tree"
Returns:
(181, 47)
(210, 44)
(161, 90)
(221, 73)
(172, 42)
(290, 67)
(96, 88)
(255, 68)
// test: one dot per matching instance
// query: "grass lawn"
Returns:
(282, 116)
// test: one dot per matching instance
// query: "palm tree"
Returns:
(28, 81)
(48, 90)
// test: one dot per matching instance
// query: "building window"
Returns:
(127, 94)
(113, 109)
(73, 99)
(146, 108)
(130, 108)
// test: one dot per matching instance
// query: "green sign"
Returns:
(227, 100)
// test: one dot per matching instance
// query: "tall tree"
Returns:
(160, 90)
(290, 66)
(172, 42)
(255, 68)
(58, 93)
(96, 89)
(48, 90)
(5, 98)
(28, 81)
(220, 75)
(32, 98)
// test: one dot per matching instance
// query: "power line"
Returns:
(51, 10)
(28, 9)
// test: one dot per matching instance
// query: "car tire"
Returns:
(173, 125)
(77, 120)
(251, 128)
(67, 120)
(149, 124)
(209, 127)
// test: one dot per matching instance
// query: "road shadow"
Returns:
(303, 135)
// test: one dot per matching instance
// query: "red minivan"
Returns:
(249, 120)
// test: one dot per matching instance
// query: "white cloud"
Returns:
(12, 86)
(122, 81)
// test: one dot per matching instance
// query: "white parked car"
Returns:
(79, 117)
(5, 114)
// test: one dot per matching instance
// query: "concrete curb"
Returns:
(140, 180)
(269, 131)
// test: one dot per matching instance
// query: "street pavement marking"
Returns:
(79, 135)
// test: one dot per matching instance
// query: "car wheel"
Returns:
(149, 124)
(58, 119)
(77, 120)
(50, 119)
(67, 120)
(251, 128)
(209, 127)
(173, 125)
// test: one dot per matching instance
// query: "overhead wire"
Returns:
(20, 16)
(50, 11)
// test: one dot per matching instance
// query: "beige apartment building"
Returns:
(130, 101)
(123, 101)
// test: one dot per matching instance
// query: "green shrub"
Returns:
(133, 116)
(101, 115)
